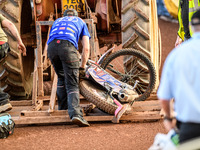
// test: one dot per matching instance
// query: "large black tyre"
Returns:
(129, 65)
(15, 70)
(140, 29)
(136, 25)
(98, 96)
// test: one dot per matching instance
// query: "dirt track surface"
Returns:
(124, 136)
(127, 136)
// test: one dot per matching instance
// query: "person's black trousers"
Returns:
(65, 60)
(188, 131)
(4, 49)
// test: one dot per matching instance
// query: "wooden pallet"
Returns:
(44, 110)
(23, 113)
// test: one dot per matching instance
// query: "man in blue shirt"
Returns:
(181, 80)
(63, 53)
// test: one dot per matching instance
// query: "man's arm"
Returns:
(168, 122)
(11, 27)
(85, 51)
(165, 104)
(178, 41)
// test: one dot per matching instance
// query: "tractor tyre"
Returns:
(136, 25)
(140, 30)
(16, 70)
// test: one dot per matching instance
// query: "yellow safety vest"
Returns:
(194, 5)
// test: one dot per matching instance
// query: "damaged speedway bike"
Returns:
(117, 80)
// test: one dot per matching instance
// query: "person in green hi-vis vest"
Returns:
(185, 11)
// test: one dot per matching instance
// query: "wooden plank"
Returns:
(44, 98)
(39, 63)
(26, 107)
(55, 119)
(137, 106)
(21, 103)
(31, 113)
(142, 116)
(146, 103)
(65, 118)
(52, 102)
(40, 120)
(35, 78)
(83, 100)
(43, 113)
(25, 103)
(146, 108)
(141, 111)
(19, 112)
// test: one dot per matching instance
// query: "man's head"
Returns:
(195, 21)
(70, 12)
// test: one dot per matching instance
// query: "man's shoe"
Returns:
(80, 122)
(5, 105)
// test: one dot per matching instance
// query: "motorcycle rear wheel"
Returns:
(98, 96)
(129, 65)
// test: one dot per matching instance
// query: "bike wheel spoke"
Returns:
(115, 71)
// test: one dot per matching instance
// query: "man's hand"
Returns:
(169, 124)
(81, 72)
(168, 121)
(178, 41)
(22, 48)
(11, 27)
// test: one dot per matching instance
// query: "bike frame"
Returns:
(115, 88)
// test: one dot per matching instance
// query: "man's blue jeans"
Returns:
(65, 60)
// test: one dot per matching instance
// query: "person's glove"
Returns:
(81, 72)
(7, 125)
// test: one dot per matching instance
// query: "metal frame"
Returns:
(38, 69)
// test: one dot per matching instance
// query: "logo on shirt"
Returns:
(60, 32)
(62, 28)
(55, 29)
(70, 34)
(70, 29)
(72, 26)
(73, 19)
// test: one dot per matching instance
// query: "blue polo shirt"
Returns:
(68, 28)
(181, 80)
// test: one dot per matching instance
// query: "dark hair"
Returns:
(196, 18)
(70, 12)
